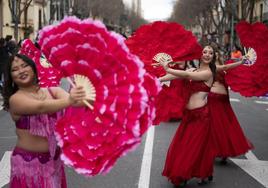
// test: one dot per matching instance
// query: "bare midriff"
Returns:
(31, 142)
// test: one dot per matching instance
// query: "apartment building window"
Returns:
(261, 12)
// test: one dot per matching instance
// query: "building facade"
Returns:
(31, 20)
(1, 18)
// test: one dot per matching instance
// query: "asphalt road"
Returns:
(139, 170)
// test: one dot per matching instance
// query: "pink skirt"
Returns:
(36, 170)
(229, 137)
(191, 152)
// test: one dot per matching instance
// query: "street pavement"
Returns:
(142, 168)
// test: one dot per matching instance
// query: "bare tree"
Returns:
(17, 7)
(191, 13)
(112, 12)
(210, 15)
(44, 4)
(134, 20)
(247, 10)
(81, 8)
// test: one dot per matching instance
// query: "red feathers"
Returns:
(251, 80)
(170, 38)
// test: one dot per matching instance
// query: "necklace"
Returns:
(39, 95)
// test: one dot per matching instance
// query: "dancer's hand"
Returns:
(171, 64)
(157, 64)
(164, 63)
(77, 94)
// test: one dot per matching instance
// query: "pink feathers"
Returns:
(48, 76)
(93, 140)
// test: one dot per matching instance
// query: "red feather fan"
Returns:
(251, 80)
(172, 40)
(163, 37)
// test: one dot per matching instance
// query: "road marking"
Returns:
(234, 100)
(266, 109)
(261, 102)
(144, 179)
(256, 168)
(250, 156)
(1, 103)
(5, 169)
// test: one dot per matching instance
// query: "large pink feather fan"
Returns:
(48, 76)
(93, 139)
(163, 37)
(251, 79)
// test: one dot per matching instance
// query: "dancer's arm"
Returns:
(167, 77)
(230, 66)
(22, 104)
(198, 75)
(201, 75)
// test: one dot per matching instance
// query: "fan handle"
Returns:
(84, 101)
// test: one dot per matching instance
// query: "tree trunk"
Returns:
(252, 5)
(16, 12)
(25, 23)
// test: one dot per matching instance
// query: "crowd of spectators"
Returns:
(8, 47)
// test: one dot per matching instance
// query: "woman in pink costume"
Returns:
(228, 135)
(35, 161)
(191, 152)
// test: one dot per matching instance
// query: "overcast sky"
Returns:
(155, 9)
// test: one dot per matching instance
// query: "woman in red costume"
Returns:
(35, 160)
(191, 152)
(228, 135)
(169, 95)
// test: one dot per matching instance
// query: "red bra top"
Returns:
(197, 86)
(220, 78)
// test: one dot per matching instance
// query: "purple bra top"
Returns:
(25, 120)
(42, 125)
(23, 123)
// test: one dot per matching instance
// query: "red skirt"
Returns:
(191, 152)
(170, 102)
(229, 137)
